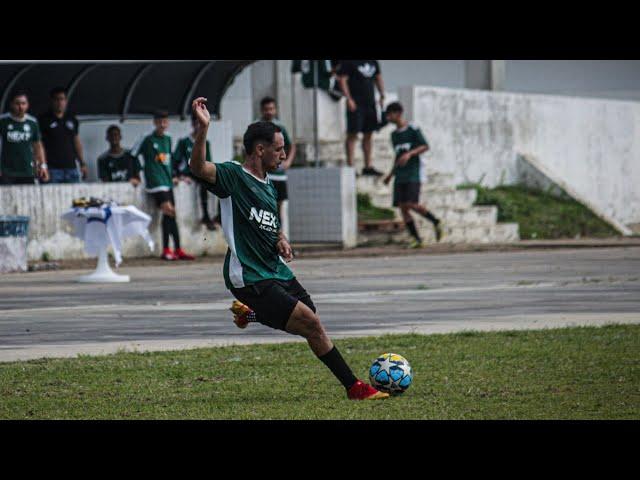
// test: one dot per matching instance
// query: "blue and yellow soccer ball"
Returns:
(391, 373)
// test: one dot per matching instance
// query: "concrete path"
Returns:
(185, 305)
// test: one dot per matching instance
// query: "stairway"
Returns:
(462, 221)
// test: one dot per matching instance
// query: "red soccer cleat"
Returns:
(182, 255)
(167, 254)
(362, 391)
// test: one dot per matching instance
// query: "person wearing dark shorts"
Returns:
(274, 300)
(155, 151)
(357, 79)
(255, 267)
(269, 113)
(408, 143)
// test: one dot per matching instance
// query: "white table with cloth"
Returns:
(109, 224)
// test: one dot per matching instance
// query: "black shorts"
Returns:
(161, 197)
(273, 300)
(281, 189)
(406, 193)
(364, 119)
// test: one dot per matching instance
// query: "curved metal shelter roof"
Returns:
(121, 88)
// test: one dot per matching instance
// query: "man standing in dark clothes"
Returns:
(61, 141)
(357, 79)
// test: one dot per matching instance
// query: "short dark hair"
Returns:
(394, 107)
(18, 93)
(259, 132)
(267, 101)
(56, 90)
(112, 128)
(160, 114)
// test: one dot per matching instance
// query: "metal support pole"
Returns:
(315, 112)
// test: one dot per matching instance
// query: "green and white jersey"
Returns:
(280, 174)
(403, 140)
(182, 155)
(251, 226)
(156, 155)
(16, 145)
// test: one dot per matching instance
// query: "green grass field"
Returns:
(574, 373)
(542, 215)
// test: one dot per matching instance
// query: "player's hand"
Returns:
(403, 159)
(134, 181)
(351, 105)
(284, 250)
(200, 111)
(43, 173)
(386, 180)
(84, 171)
(382, 103)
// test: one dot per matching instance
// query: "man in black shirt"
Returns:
(357, 79)
(117, 164)
(61, 141)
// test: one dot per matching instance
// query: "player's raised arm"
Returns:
(198, 164)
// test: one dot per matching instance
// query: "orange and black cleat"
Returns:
(242, 314)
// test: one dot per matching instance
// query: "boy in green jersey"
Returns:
(20, 144)
(269, 112)
(155, 150)
(255, 269)
(408, 143)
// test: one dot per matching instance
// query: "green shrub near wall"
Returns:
(540, 214)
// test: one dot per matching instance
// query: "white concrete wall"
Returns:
(322, 208)
(593, 145)
(236, 103)
(618, 79)
(615, 79)
(48, 233)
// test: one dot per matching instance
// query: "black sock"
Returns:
(173, 229)
(412, 230)
(165, 231)
(429, 216)
(334, 361)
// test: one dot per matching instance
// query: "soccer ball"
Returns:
(391, 373)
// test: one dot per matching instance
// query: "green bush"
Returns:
(368, 212)
(541, 214)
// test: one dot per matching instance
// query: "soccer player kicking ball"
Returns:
(254, 267)
(408, 143)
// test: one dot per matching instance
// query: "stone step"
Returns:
(438, 198)
(499, 233)
(435, 181)
(455, 217)
(485, 215)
